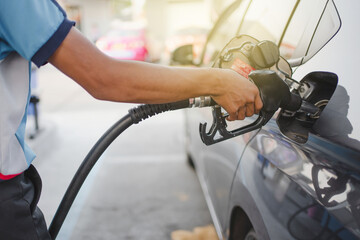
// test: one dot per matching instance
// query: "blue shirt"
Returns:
(30, 31)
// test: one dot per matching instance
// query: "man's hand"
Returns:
(239, 97)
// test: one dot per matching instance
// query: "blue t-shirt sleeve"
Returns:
(33, 28)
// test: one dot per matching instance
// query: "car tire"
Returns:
(251, 235)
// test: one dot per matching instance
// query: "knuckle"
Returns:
(231, 118)
(233, 110)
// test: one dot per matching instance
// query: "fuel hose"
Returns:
(269, 87)
(134, 116)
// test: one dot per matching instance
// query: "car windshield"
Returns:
(224, 29)
(267, 19)
(312, 25)
(299, 27)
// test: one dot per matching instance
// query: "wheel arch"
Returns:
(243, 210)
(240, 224)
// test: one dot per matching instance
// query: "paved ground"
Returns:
(141, 188)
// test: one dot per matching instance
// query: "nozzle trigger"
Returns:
(218, 131)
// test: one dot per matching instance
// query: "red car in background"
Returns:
(125, 41)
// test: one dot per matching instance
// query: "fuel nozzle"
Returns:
(274, 93)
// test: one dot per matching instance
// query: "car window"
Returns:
(266, 20)
(262, 19)
(225, 29)
(300, 28)
(314, 23)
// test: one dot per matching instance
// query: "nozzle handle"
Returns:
(274, 92)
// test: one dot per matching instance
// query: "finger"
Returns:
(249, 110)
(241, 113)
(231, 118)
(232, 111)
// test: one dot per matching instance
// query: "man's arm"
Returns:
(139, 82)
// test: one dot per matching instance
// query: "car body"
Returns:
(126, 41)
(288, 180)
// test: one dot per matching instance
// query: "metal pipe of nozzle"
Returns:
(203, 101)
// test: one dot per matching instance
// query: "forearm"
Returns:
(148, 83)
(129, 81)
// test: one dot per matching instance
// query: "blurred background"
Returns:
(143, 29)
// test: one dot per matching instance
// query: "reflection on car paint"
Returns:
(332, 188)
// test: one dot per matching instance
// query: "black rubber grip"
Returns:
(143, 112)
(179, 105)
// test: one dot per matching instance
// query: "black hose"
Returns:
(134, 116)
(83, 171)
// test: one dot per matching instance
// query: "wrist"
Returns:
(216, 83)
